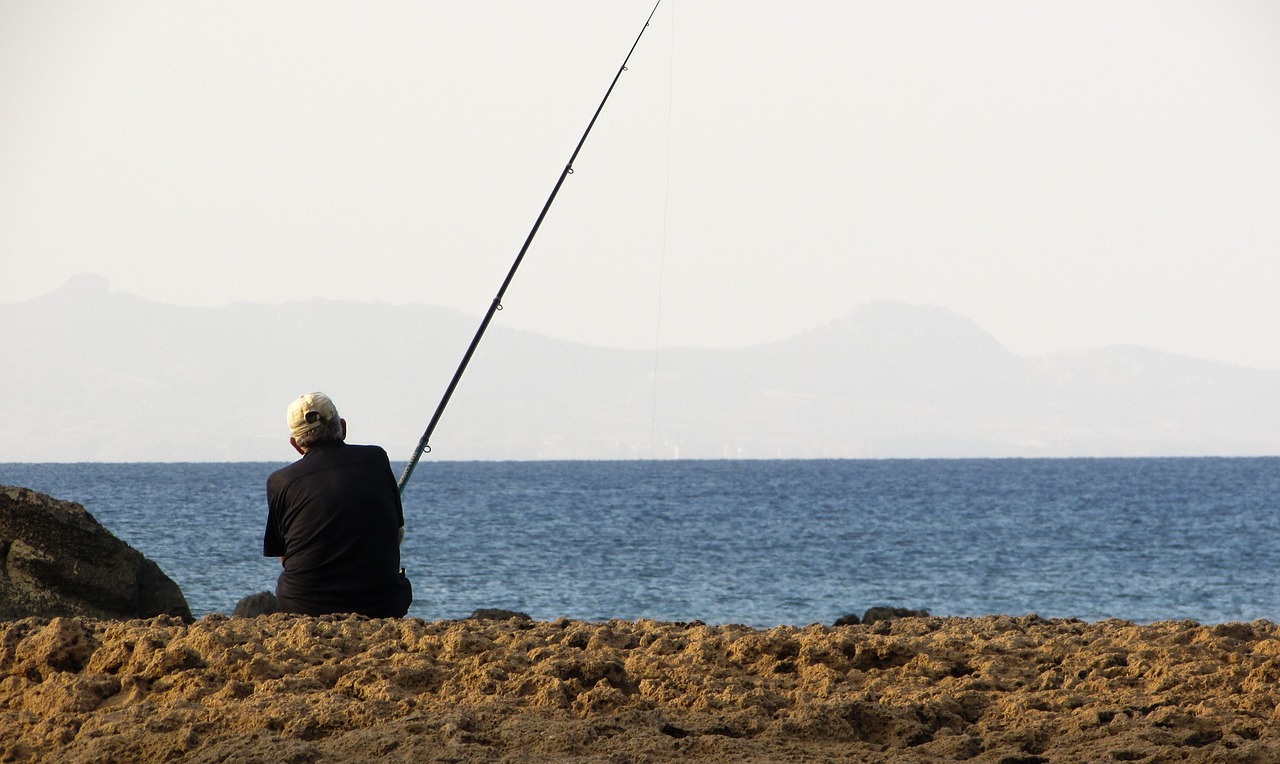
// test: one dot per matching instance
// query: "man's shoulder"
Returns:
(285, 474)
(351, 453)
(368, 450)
(327, 457)
(332, 455)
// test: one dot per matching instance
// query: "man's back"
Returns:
(334, 517)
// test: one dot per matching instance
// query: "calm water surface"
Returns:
(755, 542)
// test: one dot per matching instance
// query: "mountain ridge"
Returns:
(96, 375)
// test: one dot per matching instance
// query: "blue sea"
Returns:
(761, 543)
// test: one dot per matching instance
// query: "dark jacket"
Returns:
(334, 516)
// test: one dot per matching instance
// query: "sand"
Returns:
(284, 688)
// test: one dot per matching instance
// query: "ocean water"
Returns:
(755, 542)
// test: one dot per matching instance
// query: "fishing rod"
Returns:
(424, 442)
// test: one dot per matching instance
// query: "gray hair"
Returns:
(321, 434)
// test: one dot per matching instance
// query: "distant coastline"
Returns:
(890, 380)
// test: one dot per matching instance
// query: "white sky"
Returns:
(1068, 174)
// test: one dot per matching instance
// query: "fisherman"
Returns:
(335, 520)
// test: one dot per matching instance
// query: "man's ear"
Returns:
(343, 422)
(294, 442)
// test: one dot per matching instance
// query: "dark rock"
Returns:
(885, 613)
(56, 560)
(498, 614)
(848, 619)
(262, 603)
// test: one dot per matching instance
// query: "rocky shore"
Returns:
(284, 688)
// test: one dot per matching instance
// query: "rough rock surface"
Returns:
(56, 560)
(262, 603)
(879, 613)
(290, 688)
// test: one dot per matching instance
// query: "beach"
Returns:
(285, 688)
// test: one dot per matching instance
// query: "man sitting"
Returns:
(335, 520)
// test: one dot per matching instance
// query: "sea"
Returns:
(761, 543)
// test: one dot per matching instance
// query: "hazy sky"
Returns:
(1068, 174)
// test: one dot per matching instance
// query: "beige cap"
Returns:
(309, 412)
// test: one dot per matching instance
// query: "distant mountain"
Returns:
(95, 375)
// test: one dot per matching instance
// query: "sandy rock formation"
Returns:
(995, 690)
(56, 560)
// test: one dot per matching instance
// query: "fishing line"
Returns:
(424, 442)
(662, 257)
